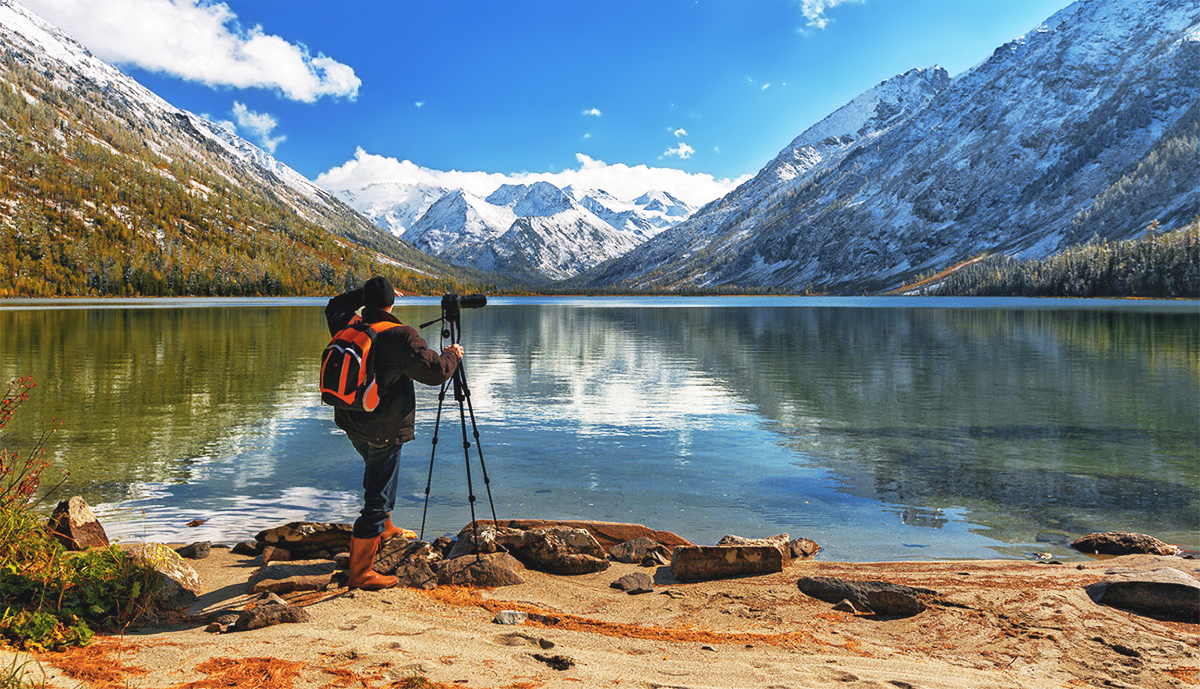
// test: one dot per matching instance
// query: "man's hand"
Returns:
(456, 348)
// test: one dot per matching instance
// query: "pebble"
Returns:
(510, 617)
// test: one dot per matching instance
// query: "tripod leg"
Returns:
(429, 481)
(487, 483)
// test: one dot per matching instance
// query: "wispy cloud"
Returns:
(420, 104)
(594, 112)
(198, 41)
(814, 11)
(765, 87)
(682, 150)
(621, 180)
(680, 132)
(260, 125)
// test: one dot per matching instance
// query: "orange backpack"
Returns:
(348, 367)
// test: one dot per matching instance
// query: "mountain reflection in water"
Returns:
(881, 432)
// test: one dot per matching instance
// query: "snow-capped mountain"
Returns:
(1087, 125)
(642, 218)
(394, 206)
(535, 232)
(241, 189)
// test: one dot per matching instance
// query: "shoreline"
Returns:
(1002, 623)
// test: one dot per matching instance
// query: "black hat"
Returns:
(378, 293)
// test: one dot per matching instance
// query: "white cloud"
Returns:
(765, 87)
(198, 41)
(814, 11)
(680, 132)
(594, 112)
(420, 104)
(621, 180)
(682, 150)
(588, 135)
(716, 149)
(259, 125)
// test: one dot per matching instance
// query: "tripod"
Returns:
(452, 330)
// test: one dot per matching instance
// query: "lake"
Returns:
(882, 428)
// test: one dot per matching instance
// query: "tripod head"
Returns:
(452, 306)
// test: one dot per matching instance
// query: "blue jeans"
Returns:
(380, 469)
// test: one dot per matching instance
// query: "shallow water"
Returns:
(883, 428)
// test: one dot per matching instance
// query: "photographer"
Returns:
(401, 357)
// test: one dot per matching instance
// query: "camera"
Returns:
(453, 303)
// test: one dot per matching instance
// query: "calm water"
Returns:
(881, 428)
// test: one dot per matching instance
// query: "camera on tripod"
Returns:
(452, 304)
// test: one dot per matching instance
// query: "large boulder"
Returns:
(557, 550)
(607, 534)
(637, 550)
(1164, 593)
(286, 577)
(1120, 543)
(700, 562)
(488, 570)
(413, 562)
(308, 540)
(879, 597)
(73, 524)
(176, 581)
(782, 542)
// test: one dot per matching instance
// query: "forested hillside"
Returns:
(1154, 265)
(98, 199)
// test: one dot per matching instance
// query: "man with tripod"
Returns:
(400, 357)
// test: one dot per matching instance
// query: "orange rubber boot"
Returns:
(362, 558)
(390, 529)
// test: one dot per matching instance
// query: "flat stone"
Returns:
(489, 570)
(1121, 543)
(1163, 593)
(292, 576)
(803, 547)
(510, 617)
(879, 597)
(75, 526)
(306, 540)
(178, 583)
(699, 562)
(781, 541)
(607, 534)
(634, 583)
(638, 549)
(195, 551)
(269, 614)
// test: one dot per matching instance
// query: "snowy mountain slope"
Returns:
(239, 187)
(1087, 125)
(642, 218)
(459, 220)
(394, 206)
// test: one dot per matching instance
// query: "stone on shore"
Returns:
(412, 562)
(75, 526)
(196, 551)
(700, 562)
(607, 534)
(286, 577)
(510, 617)
(557, 550)
(491, 539)
(269, 614)
(247, 548)
(781, 541)
(803, 547)
(488, 570)
(634, 583)
(178, 584)
(636, 551)
(1163, 593)
(308, 540)
(879, 597)
(1120, 543)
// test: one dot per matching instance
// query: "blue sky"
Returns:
(711, 88)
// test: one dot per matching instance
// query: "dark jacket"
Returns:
(401, 357)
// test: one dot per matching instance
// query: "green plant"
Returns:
(16, 676)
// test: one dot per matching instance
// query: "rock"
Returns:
(272, 554)
(308, 540)
(557, 550)
(879, 597)
(803, 547)
(416, 574)
(397, 552)
(544, 619)
(1119, 543)
(1164, 593)
(342, 560)
(269, 597)
(510, 617)
(247, 548)
(698, 562)
(637, 582)
(177, 582)
(443, 545)
(607, 534)
(222, 622)
(555, 662)
(292, 576)
(638, 549)
(195, 551)
(270, 614)
(73, 524)
(657, 558)
(781, 541)
(562, 550)
(489, 570)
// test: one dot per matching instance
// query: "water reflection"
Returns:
(881, 432)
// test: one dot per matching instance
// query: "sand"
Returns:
(1006, 624)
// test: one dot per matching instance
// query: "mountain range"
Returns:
(1087, 126)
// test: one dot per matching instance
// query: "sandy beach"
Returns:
(1003, 624)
